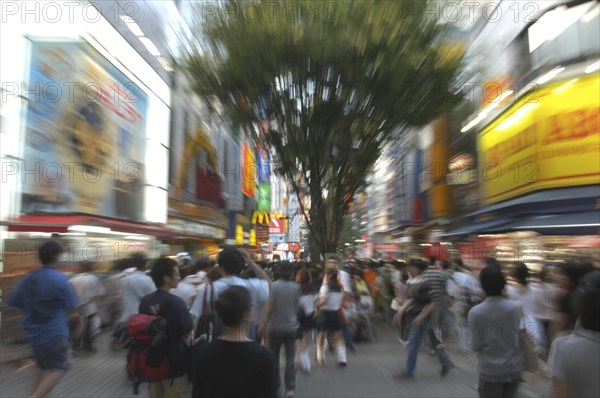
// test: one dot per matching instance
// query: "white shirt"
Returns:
(344, 279)
(334, 299)
(88, 288)
(186, 290)
(133, 287)
(258, 288)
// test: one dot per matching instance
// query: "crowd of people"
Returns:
(227, 321)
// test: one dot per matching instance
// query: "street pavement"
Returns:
(369, 374)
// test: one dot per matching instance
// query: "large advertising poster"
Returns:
(85, 134)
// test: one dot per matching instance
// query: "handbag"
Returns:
(528, 352)
(395, 306)
(209, 326)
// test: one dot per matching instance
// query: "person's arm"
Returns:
(258, 271)
(424, 314)
(16, 298)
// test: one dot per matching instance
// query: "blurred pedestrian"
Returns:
(134, 286)
(499, 358)
(234, 365)
(306, 313)
(45, 296)
(329, 324)
(574, 361)
(165, 275)
(89, 290)
(281, 321)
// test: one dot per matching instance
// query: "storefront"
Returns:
(85, 135)
(540, 172)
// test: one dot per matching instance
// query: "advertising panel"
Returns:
(548, 139)
(263, 163)
(248, 171)
(85, 134)
(264, 197)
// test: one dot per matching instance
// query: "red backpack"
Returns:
(148, 358)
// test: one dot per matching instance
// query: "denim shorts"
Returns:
(55, 355)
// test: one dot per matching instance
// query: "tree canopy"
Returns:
(333, 79)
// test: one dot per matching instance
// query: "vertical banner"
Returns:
(85, 136)
(263, 163)
(233, 177)
(239, 235)
(264, 197)
(248, 171)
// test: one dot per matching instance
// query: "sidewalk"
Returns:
(369, 374)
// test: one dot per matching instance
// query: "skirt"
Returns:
(329, 321)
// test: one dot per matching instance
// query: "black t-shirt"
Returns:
(179, 324)
(234, 369)
(422, 295)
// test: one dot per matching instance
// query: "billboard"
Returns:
(263, 164)
(264, 197)
(248, 171)
(85, 134)
(548, 139)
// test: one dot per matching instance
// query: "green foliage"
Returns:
(334, 78)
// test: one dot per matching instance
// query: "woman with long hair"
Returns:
(329, 324)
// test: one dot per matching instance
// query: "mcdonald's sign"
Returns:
(261, 218)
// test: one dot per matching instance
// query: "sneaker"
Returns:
(403, 376)
(289, 393)
(342, 364)
(446, 369)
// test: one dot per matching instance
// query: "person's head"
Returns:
(432, 261)
(492, 280)
(202, 264)
(588, 301)
(520, 273)
(445, 264)
(137, 260)
(569, 274)
(332, 263)
(416, 266)
(49, 252)
(303, 277)
(165, 273)
(87, 266)
(231, 261)
(286, 270)
(233, 306)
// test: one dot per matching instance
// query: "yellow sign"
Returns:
(260, 218)
(239, 235)
(548, 139)
(252, 239)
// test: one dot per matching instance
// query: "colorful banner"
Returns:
(248, 171)
(263, 163)
(85, 138)
(264, 197)
(233, 176)
(548, 139)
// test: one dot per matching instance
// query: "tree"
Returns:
(333, 79)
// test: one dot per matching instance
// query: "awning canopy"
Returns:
(587, 223)
(490, 226)
(551, 201)
(55, 223)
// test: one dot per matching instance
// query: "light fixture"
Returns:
(563, 87)
(550, 75)
(593, 67)
(474, 122)
(88, 228)
(132, 25)
(150, 46)
(520, 114)
(136, 237)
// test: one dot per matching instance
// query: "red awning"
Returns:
(61, 223)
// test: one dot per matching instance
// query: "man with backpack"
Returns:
(165, 274)
(45, 296)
